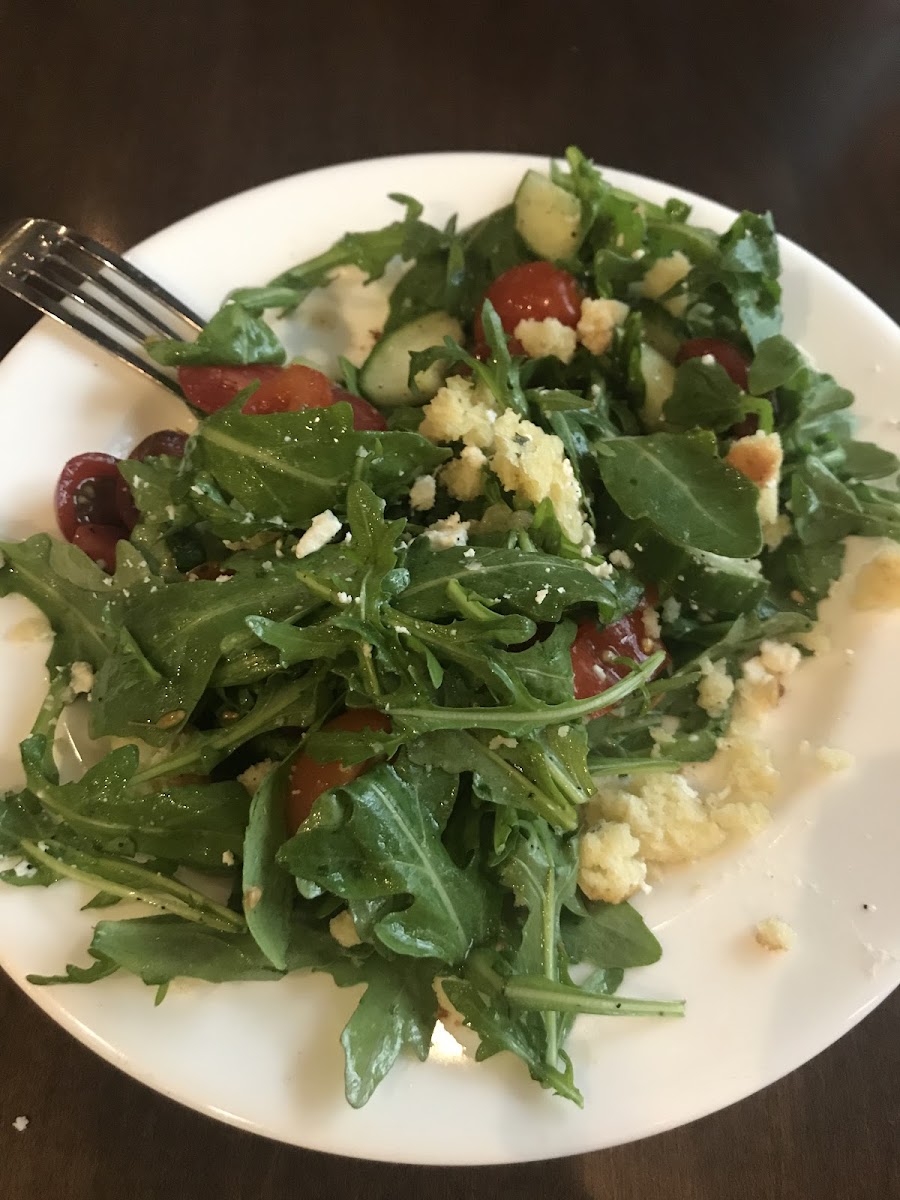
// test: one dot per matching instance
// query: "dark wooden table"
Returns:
(120, 118)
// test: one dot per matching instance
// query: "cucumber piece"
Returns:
(547, 216)
(384, 376)
(727, 585)
(659, 383)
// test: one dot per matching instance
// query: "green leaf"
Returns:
(177, 636)
(76, 597)
(233, 337)
(398, 1010)
(688, 494)
(375, 837)
(193, 824)
(865, 460)
(704, 397)
(295, 465)
(540, 586)
(268, 889)
(610, 935)
(100, 968)
(775, 364)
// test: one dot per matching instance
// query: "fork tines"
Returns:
(87, 286)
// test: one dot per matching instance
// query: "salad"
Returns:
(405, 677)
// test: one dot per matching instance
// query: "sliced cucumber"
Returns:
(659, 382)
(547, 216)
(384, 376)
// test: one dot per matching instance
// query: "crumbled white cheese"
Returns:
(547, 338)
(716, 687)
(833, 759)
(227, 858)
(343, 930)
(609, 866)
(451, 531)
(81, 678)
(323, 528)
(598, 322)
(498, 741)
(461, 411)
(344, 598)
(652, 627)
(24, 869)
(564, 731)
(541, 595)
(620, 559)
(463, 477)
(534, 465)
(602, 570)
(253, 776)
(775, 934)
(525, 459)
(422, 493)
(671, 609)
(878, 582)
(20, 1124)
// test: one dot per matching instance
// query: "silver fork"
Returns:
(88, 287)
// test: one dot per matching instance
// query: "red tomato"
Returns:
(309, 779)
(482, 350)
(365, 415)
(99, 542)
(594, 648)
(211, 388)
(289, 390)
(727, 356)
(165, 441)
(535, 291)
(86, 492)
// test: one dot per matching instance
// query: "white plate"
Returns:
(266, 1057)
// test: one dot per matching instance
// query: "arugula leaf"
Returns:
(74, 594)
(375, 837)
(677, 482)
(397, 1010)
(610, 935)
(233, 337)
(131, 881)
(738, 288)
(704, 396)
(267, 888)
(100, 968)
(540, 586)
(172, 640)
(294, 465)
(193, 824)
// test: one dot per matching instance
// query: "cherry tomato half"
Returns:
(727, 356)
(170, 442)
(99, 542)
(309, 779)
(86, 492)
(594, 651)
(211, 388)
(535, 291)
(365, 415)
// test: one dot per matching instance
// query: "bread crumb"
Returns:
(619, 558)
(775, 934)
(343, 930)
(878, 582)
(463, 477)
(253, 776)
(834, 760)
